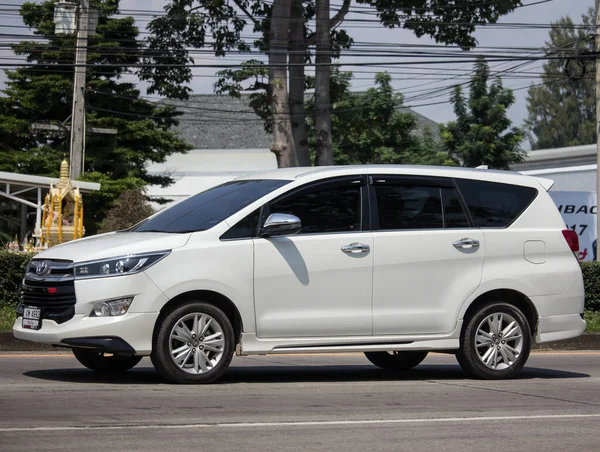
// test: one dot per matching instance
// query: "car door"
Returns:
(317, 283)
(428, 258)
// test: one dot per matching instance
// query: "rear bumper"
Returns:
(559, 327)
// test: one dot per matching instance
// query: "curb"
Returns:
(587, 341)
(8, 343)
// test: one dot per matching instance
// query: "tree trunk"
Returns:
(297, 60)
(283, 140)
(324, 151)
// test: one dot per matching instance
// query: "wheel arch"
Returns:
(511, 296)
(208, 296)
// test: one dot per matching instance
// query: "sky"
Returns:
(409, 85)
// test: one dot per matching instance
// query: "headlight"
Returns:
(125, 265)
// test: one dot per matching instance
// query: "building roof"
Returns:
(27, 180)
(558, 158)
(212, 121)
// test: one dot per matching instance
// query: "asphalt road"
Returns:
(303, 403)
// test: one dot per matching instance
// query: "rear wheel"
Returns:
(104, 362)
(396, 360)
(194, 344)
(495, 342)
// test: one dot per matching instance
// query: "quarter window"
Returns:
(409, 207)
(328, 209)
(245, 228)
(494, 204)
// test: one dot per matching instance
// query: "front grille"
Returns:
(55, 268)
(53, 292)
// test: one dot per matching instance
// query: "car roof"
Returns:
(323, 172)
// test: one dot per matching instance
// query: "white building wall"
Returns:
(570, 178)
(201, 169)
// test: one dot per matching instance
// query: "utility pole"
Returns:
(77, 143)
(597, 42)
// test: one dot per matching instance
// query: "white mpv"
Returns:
(392, 261)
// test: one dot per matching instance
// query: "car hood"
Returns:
(114, 245)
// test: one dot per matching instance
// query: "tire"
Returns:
(100, 362)
(397, 360)
(194, 344)
(484, 353)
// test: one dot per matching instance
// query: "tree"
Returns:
(562, 111)
(188, 23)
(372, 127)
(482, 133)
(130, 208)
(42, 93)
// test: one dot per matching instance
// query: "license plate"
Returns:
(31, 318)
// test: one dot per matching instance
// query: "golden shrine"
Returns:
(62, 219)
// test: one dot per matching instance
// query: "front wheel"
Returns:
(495, 342)
(105, 363)
(397, 360)
(194, 344)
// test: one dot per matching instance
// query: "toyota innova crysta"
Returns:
(393, 261)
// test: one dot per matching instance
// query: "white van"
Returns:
(392, 261)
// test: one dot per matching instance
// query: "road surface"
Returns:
(301, 403)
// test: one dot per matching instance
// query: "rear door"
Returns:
(428, 257)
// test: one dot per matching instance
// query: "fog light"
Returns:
(112, 308)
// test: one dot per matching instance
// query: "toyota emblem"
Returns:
(41, 268)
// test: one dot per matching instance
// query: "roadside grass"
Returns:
(593, 322)
(7, 318)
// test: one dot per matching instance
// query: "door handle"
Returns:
(466, 243)
(355, 248)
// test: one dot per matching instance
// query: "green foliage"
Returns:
(43, 93)
(7, 317)
(96, 204)
(130, 208)
(482, 133)
(218, 25)
(592, 320)
(12, 270)
(372, 127)
(450, 22)
(562, 110)
(591, 280)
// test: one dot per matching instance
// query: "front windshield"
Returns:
(208, 208)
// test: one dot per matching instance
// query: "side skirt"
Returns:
(250, 344)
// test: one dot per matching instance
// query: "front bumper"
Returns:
(135, 328)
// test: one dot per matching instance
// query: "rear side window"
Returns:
(495, 205)
(409, 207)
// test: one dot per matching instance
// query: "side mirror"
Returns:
(281, 224)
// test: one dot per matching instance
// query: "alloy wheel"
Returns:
(196, 343)
(499, 341)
